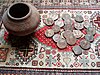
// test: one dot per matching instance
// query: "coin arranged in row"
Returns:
(56, 28)
(59, 22)
(49, 33)
(49, 21)
(89, 37)
(78, 26)
(79, 19)
(85, 44)
(77, 33)
(56, 37)
(61, 43)
(77, 50)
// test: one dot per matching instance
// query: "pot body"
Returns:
(21, 19)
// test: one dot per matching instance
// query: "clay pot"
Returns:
(21, 19)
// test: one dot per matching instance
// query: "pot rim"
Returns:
(21, 17)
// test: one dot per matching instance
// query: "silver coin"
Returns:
(67, 33)
(79, 19)
(91, 30)
(56, 37)
(49, 21)
(86, 24)
(65, 16)
(79, 26)
(59, 22)
(53, 15)
(68, 21)
(89, 37)
(85, 44)
(62, 43)
(56, 28)
(68, 27)
(77, 33)
(77, 50)
(71, 40)
(49, 33)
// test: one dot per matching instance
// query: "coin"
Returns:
(53, 15)
(79, 26)
(49, 21)
(56, 37)
(68, 27)
(67, 33)
(77, 33)
(89, 37)
(59, 22)
(49, 33)
(79, 19)
(71, 40)
(86, 24)
(91, 30)
(77, 50)
(68, 21)
(85, 44)
(56, 28)
(62, 43)
(65, 16)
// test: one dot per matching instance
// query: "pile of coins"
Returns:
(67, 30)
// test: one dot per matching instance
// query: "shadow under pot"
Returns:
(21, 19)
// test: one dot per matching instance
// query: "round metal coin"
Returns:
(71, 40)
(68, 21)
(56, 28)
(65, 16)
(59, 22)
(77, 50)
(79, 26)
(89, 37)
(61, 43)
(49, 33)
(86, 24)
(85, 44)
(67, 33)
(79, 19)
(53, 15)
(56, 37)
(91, 30)
(49, 21)
(77, 33)
(68, 27)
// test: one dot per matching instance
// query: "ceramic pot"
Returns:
(21, 19)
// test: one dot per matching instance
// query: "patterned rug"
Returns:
(39, 54)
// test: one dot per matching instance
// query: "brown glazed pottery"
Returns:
(21, 19)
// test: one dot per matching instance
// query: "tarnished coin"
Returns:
(65, 16)
(77, 50)
(49, 21)
(77, 33)
(79, 26)
(67, 33)
(56, 28)
(56, 37)
(62, 43)
(89, 37)
(86, 24)
(59, 22)
(79, 19)
(53, 15)
(91, 30)
(71, 40)
(49, 33)
(85, 44)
